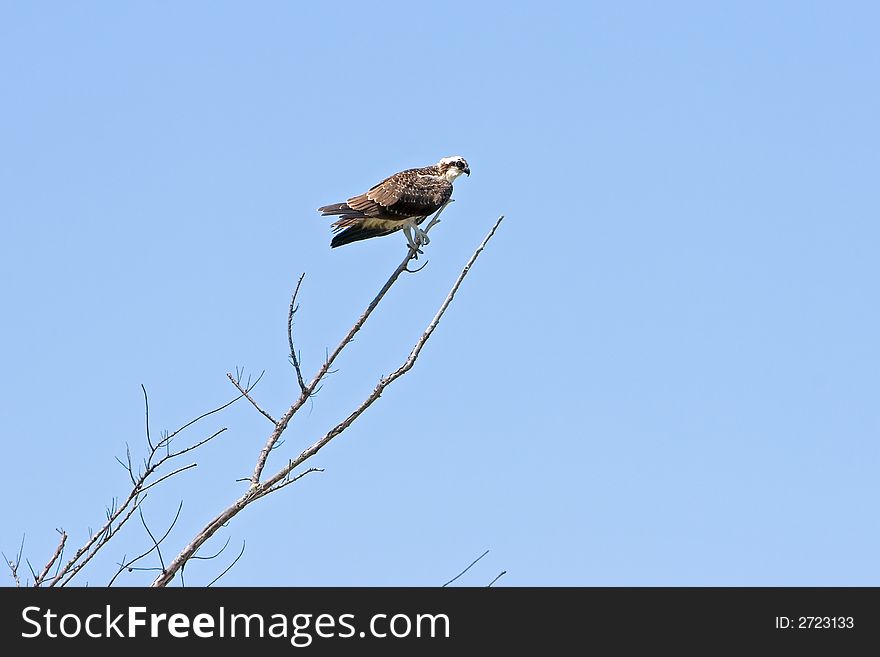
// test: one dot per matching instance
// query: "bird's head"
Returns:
(452, 167)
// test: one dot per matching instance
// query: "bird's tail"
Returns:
(339, 208)
(355, 233)
(349, 227)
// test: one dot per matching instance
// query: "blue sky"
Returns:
(662, 371)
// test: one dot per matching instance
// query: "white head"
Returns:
(452, 167)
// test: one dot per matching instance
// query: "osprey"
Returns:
(401, 201)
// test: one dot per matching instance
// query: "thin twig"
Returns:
(229, 567)
(183, 451)
(287, 482)
(130, 568)
(31, 568)
(147, 416)
(169, 475)
(466, 569)
(128, 466)
(293, 357)
(215, 555)
(153, 538)
(417, 269)
(127, 565)
(503, 572)
(167, 439)
(98, 540)
(247, 396)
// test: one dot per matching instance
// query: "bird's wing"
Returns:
(405, 194)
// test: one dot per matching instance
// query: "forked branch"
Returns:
(260, 487)
(118, 514)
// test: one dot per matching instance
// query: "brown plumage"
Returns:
(403, 200)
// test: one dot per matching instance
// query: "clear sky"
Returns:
(664, 370)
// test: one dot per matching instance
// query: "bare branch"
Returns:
(247, 396)
(280, 427)
(127, 565)
(31, 568)
(128, 466)
(97, 541)
(260, 488)
(215, 555)
(153, 538)
(172, 455)
(502, 573)
(293, 356)
(173, 522)
(168, 438)
(58, 550)
(466, 569)
(124, 511)
(287, 481)
(387, 380)
(322, 371)
(147, 416)
(169, 475)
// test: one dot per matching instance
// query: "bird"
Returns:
(401, 201)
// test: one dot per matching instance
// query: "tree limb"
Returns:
(58, 550)
(260, 488)
(310, 389)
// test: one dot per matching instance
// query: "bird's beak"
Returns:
(467, 170)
